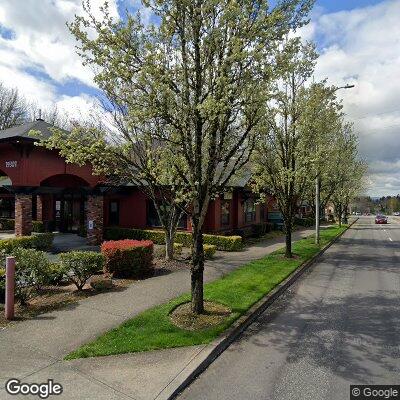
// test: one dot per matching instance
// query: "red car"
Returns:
(381, 219)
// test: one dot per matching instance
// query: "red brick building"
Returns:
(37, 184)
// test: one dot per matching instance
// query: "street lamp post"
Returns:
(318, 186)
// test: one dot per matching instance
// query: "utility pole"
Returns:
(318, 185)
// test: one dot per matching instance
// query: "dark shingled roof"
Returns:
(22, 131)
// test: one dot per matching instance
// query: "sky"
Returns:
(358, 42)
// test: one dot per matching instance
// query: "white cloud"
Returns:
(362, 47)
(42, 37)
(41, 52)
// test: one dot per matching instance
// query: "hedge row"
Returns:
(306, 222)
(225, 243)
(7, 224)
(40, 241)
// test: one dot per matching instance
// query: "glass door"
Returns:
(69, 212)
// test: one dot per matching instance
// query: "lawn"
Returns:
(238, 290)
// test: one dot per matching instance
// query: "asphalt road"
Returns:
(338, 325)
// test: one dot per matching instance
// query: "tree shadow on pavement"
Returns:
(352, 336)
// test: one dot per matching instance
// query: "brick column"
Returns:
(94, 218)
(39, 208)
(23, 214)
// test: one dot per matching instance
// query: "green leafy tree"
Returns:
(283, 160)
(349, 174)
(191, 86)
(322, 125)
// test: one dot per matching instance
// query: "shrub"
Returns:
(258, 230)
(128, 258)
(81, 265)
(305, 222)
(101, 282)
(209, 250)
(54, 275)
(7, 224)
(40, 241)
(38, 226)
(31, 268)
(178, 247)
(225, 243)
(9, 245)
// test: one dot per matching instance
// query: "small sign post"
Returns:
(10, 287)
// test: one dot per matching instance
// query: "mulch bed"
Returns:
(55, 297)
(214, 314)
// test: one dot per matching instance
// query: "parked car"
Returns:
(358, 213)
(397, 213)
(381, 219)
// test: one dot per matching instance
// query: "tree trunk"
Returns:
(197, 270)
(169, 245)
(288, 234)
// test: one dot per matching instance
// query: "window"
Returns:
(249, 211)
(114, 213)
(225, 212)
(153, 220)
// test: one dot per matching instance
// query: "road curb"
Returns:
(217, 347)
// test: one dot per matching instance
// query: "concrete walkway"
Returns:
(33, 350)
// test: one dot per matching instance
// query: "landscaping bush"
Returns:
(81, 265)
(54, 275)
(259, 230)
(305, 222)
(101, 282)
(38, 226)
(42, 241)
(178, 247)
(209, 250)
(225, 243)
(39, 241)
(9, 245)
(7, 224)
(128, 258)
(31, 268)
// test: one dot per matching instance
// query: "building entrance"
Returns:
(69, 211)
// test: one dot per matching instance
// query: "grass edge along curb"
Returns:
(245, 320)
(152, 329)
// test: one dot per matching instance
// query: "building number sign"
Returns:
(11, 164)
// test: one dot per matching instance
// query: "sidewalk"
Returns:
(33, 350)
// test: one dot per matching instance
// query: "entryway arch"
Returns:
(62, 201)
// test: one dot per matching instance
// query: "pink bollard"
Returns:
(10, 286)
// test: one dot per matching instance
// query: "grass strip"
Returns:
(238, 290)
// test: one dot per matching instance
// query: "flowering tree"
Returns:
(190, 87)
(282, 161)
